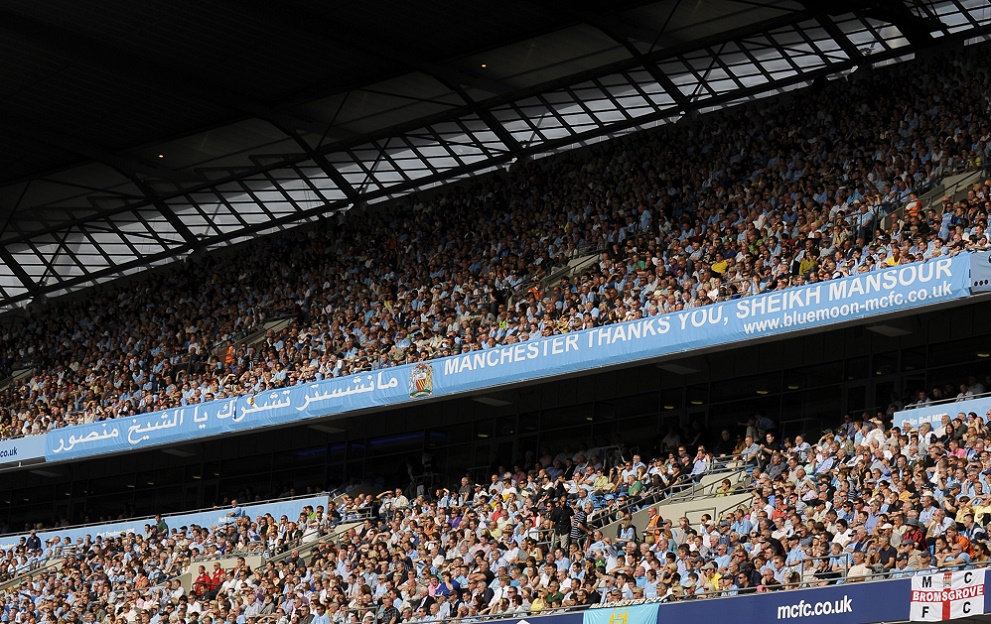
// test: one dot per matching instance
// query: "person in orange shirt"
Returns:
(654, 525)
(953, 536)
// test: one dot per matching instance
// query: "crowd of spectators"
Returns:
(865, 501)
(118, 578)
(777, 193)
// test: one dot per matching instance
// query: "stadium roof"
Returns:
(138, 132)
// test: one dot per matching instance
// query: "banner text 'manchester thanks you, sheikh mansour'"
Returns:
(804, 307)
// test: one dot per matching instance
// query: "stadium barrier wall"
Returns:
(207, 519)
(937, 597)
(933, 414)
(980, 272)
(18, 451)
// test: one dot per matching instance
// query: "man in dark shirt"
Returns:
(484, 591)
(388, 614)
(886, 553)
(724, 445)
(561, 517)
(768, 449)
(743, 584)
(777, 467)
(305, 617)
(33, 542)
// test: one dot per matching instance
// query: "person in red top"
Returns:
(216, 580)
(913, 533)
(203, 583)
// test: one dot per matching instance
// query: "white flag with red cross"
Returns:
(947, 596)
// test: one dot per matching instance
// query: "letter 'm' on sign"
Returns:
(927, 581)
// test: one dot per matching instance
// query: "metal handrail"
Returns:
(935, 192)
(559, 271)
(719, 465)
(947, 401)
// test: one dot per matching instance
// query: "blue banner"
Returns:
(850, 603)
(770, 314)
(623, 613)
(215, 517)
(325, 398)
(980, 272)
(573, 617)
(751, 318)
(847, 603)
(22, 450)
(933, 414)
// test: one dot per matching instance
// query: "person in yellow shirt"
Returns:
(710, 578)
(895, 258)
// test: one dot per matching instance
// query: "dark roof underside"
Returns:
(137, 132)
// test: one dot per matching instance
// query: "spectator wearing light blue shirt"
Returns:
(901, 567)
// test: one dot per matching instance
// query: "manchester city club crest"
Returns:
(421, 380)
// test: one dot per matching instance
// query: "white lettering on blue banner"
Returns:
(771, 314)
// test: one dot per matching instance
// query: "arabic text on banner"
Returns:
(627, 614)
(947, 596)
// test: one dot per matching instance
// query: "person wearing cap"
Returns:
(926, 562)
(902, 569)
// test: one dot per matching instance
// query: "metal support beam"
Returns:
(493, 124)
(15, 267)
(839, 37)
(611, 27)
(166, 211)
(918, 30)
(319, 159)
(130, 168)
